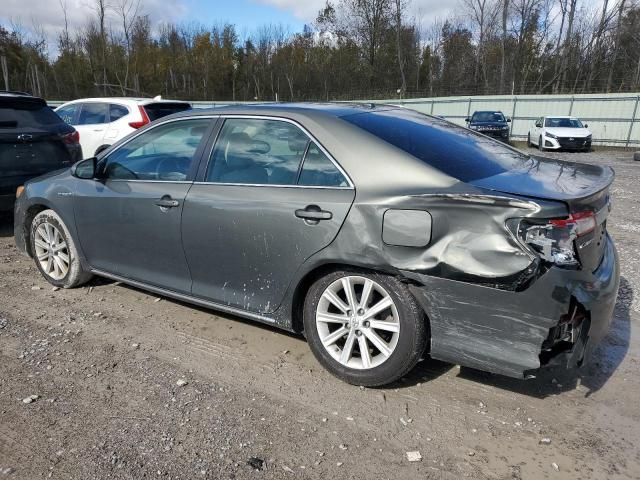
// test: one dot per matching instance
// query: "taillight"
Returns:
(553, 239)
(145, 119)
(585, 222)
(72, 138)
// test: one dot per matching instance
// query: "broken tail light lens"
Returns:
(553, 240)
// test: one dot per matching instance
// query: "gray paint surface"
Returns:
(242, 249)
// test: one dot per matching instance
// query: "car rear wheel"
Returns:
(55, 252)
(366, 329)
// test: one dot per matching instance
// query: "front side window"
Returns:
(163, 153)
(93, 114)
(563, 123)
(257, 152)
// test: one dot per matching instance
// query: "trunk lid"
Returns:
(582, 187)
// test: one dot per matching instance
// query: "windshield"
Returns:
(26, 114)
(487, 117)
(455, 151)
(563, 122)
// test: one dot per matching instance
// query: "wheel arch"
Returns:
(30, 213)
(302, 288)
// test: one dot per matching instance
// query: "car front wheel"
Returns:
(540, 144)
(55, 252)
(366, 329)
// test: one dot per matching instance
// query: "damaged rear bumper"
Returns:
(517, 333)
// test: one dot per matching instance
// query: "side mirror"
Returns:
(586, 125)
(539, 125)
(508, 120)
(85, 169)
(467, 119)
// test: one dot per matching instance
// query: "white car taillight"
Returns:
(553, 240)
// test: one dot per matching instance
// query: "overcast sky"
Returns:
(247, 15)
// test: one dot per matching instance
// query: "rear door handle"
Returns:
(167, 202)
(313, 213)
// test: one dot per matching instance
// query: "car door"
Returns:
(129, 220)
(116, 128)
(91, 125)
(270, 198)
(537, 130)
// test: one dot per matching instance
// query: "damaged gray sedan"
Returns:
(379, 233)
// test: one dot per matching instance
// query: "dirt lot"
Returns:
(104, 362)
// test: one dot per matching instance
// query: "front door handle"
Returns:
(313, 214)
(167, 202)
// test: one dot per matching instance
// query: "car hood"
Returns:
(550, 179)
(568, 132)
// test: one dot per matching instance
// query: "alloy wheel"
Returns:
(358, 322)
(52, 251)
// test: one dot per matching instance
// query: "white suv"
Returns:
(103, 121)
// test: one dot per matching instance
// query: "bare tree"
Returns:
(399, 7)
(482, 13)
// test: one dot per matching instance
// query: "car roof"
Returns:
(136, 100)
(308, 110)
(487, 111)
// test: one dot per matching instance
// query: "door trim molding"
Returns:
(186, 298)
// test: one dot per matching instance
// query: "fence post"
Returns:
(633, 119)
(469, 108)
(571, 104)
(432, 102)
(513, 115)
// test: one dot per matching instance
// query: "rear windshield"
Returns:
(159, 110)
(455, 151)
(26, 114)
(487, 117)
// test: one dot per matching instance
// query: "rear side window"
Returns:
(93, 113)
(319, 171)
(116, 112)
(257, 152)
(458, 152)
(159, 110)
(17, 114)
(68, 113)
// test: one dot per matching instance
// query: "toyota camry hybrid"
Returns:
(381, 234)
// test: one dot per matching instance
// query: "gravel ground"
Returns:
(108, 381)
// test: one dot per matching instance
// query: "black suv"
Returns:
(493, 124)
(33, 141)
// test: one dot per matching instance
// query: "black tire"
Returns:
(411, 340)
(529, 144)
(540, 144)
(100, 149)
(75, 275)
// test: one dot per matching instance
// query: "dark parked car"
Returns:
(493, 124)
(378, 232)
(33, 141)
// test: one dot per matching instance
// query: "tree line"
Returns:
(355, 49)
